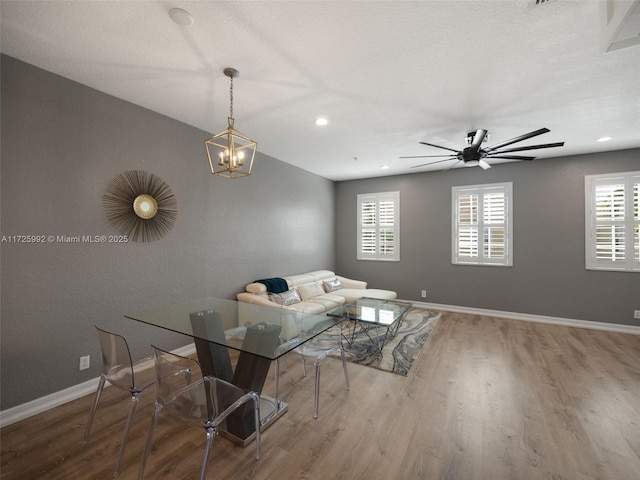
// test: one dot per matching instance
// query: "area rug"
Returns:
(398, 354)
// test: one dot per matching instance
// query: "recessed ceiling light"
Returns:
(322, 121)
(181, 17)
(384, 167)
(603, 139)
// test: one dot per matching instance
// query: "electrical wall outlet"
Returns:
(85, 362)
(423, 294)
(636, 314)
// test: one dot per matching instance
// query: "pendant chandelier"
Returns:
(230, 152)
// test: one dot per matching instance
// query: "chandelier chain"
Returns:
(231, 99)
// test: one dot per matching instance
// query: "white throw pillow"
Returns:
(310, 290)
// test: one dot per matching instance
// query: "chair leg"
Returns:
(92, 412)
(211, 435)
(277, 380)
(344, 367)
(256, 419)
(147, 448)
(316, 400)
(277, 376)
(125, 435)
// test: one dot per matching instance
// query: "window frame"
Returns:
(629, 224)
(378, 198)
(480, 225)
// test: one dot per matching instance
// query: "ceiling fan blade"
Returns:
(428, 156)
(452, 166)
(532, 147)
(510, 157)
(438, 146)
(437, 161)
(484, 165)
(478, 138)
(518, 139)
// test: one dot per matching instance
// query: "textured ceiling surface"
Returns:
(386, 74)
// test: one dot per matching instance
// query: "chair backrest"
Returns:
(175, 373)
(117, 365)
(184, 391)
(295, 321)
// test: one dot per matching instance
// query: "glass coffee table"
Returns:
(378, 319)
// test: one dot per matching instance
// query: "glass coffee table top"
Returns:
(372, 310)
(378, 319)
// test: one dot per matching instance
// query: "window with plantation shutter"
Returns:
(379, 226)
(481, 225)
(612, 221)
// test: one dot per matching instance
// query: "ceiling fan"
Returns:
(473, 155)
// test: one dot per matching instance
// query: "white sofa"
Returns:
(312, 289)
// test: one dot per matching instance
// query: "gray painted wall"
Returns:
(62, 143)
(548, 276)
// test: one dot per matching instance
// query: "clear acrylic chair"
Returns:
(203, 401)
(121, 372)
(310, 353)
(315, 351)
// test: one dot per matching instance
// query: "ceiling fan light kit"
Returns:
(474, 156)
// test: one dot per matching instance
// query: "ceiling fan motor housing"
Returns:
(471, 154)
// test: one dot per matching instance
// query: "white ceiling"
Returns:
(387, 74)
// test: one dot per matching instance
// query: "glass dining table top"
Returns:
(238, 325)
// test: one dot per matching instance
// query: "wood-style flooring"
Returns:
(486, 399)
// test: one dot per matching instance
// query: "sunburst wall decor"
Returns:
(140, 205)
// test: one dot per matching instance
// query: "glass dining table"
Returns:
(260, 334)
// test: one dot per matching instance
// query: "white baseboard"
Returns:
(39, 405)
(567, 322)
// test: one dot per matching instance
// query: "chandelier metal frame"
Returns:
(230, 152)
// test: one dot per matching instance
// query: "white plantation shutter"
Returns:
(468, 225)
(609, 222)
(636, 218)
(368, 243)
(481, 224)
(612, 221)
(379, 226)
(468, 242)
(368, 211)
(494, 215)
